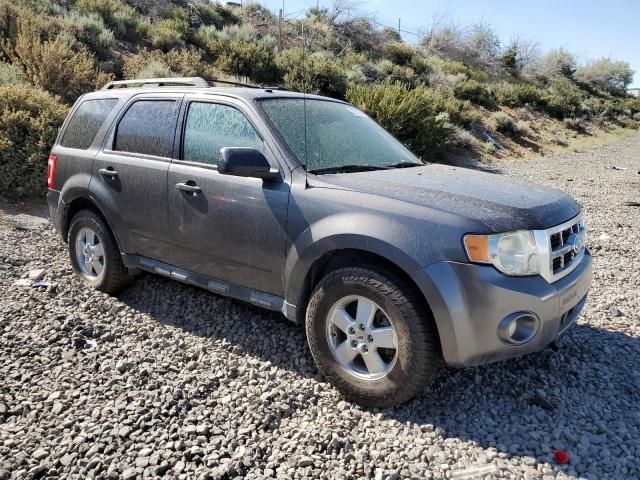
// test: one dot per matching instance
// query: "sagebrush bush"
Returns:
(574, 123)
(399, 53)
(53, 64)
(475, 92)
(91, 30)
(174, 63)
(10, 74)
(254, 60)
(411, 115)
(29, 121)
(460, 112)
(504, 123)
(120, 18)
(606, 74)
(312, 73)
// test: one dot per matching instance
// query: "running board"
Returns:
(255, 297)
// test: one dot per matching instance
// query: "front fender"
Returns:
(384, 239)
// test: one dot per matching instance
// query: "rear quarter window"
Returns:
(147, 128)
(86, 121)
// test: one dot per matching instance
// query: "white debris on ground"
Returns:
(169, 380)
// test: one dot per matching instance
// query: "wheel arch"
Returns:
(348, 257)
(83, 203)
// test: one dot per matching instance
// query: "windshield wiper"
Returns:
(349, 168)
(405, 164)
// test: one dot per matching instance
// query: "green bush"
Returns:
(475, 92)
(411, 115)
(399, 53)
(254, 60)
(460, 112)
(319, 73)
(606, 74)
(91, 30)
(168, 34)
(174, 63)
(29, 121)
(518, 94)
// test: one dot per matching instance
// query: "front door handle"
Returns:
(108, 172)
(189, 188)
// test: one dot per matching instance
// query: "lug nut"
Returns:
(354, 344)
(362, 326)
(365, 348)
(370, 338)
(352, 330)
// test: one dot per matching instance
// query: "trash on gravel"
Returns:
(22, 221)
(618, 168)
(539, 400)
(604, 237)
(615, 312)
(492, 140)
(37, 274)
(632, 204)
(91, 344)
(41, 284)
(474, 470)
(23, 282)
(561, 457)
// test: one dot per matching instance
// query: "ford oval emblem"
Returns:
(577, 243)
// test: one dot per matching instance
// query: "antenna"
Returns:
(304, 105)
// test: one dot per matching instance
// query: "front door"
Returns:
(130, 174)
(229, 228)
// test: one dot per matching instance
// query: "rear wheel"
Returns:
(371, 336)
(94, 253)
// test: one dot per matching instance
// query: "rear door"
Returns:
(130, 173)
(234, 229)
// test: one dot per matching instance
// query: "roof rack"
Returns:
(158, 82)
(177, 82)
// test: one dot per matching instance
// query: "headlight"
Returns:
(513, 253)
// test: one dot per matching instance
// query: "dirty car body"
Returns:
(178, 207)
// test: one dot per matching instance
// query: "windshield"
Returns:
(339, 137)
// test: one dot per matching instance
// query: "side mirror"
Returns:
(245, 162)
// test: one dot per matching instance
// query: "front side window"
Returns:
(86, 121)
(212, 126)
(148, 128)
(338, 137)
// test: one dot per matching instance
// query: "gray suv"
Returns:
(304, 205)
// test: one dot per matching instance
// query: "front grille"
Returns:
(566, 247)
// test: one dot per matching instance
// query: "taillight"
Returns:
(51, 171)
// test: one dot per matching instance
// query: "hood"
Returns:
(499, 202)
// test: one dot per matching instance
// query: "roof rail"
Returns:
(158, 82)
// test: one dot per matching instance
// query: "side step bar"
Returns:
(255, 297)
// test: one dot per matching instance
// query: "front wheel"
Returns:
(372, 337)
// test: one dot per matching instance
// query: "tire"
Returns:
(112, 276)
(405, 372)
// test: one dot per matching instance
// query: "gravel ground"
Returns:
(174, 381)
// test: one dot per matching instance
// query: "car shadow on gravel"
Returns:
(247, 329)
(578, 397)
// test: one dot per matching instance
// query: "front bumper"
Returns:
(469, 302)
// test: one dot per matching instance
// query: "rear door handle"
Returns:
(108, 172)
(190, 188)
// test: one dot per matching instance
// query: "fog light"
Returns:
(518, 328)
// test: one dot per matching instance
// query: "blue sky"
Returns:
(588, 28)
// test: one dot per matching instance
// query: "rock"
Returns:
(305, 462)
(615, 312)
(23, 282)
(37, 274)
(162, 469)
(57, 408)
(124, 432)
(129, 474)
(40, 454)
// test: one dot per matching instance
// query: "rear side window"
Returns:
(86, 121)
(148, 128)
(212, 126)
